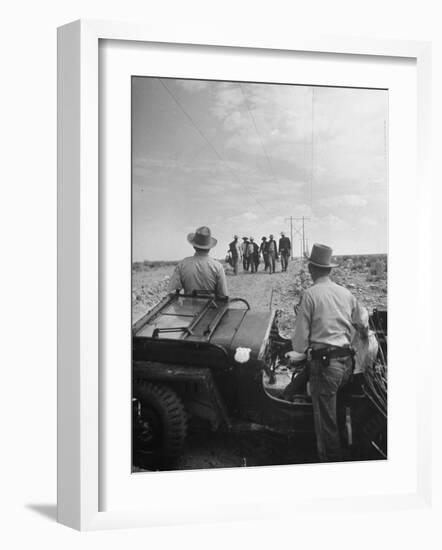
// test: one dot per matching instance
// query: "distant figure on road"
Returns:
(273, 253)
(264, 249)
(254, 255)
(284, 250)
(249, 252)
(245, 253)
(235, 253)
(200, 271)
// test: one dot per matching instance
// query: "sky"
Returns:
(241, 158)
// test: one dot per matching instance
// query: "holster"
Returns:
(325, 354)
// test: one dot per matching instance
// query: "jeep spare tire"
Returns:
(160, 422)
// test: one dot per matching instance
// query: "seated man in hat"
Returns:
(324, 327)
(200, 271)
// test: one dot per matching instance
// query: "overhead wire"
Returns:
(312, 149)
(209, 143)
(385, 153)
(259, 137)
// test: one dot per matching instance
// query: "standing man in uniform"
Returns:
(200, 271)
(245, 253)
(327, 316)
(250, 249)
(273, 253)
(254, 255)
(235, 251)
(284, 251)
(264, 249)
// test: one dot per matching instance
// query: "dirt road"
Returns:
(262, 290)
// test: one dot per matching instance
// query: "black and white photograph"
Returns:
(259, 274)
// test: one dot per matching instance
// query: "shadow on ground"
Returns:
(49, 511)
(206, 450)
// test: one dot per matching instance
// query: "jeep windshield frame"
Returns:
(180, 316)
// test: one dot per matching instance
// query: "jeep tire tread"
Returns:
(170, 412)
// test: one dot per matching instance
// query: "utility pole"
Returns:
(301, 232)
(303, 238)
(291, 236)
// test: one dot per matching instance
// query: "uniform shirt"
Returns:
(284, 244)
(235, 249)
(272, 247)
(327, 316)
(199, 272)
(244, 247)
(264, 248)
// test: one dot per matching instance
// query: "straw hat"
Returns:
(202, 238)
(320, 256)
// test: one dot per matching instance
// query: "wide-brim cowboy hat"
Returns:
(202, 238)
(320, 256)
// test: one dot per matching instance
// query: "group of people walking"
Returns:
(249, 253)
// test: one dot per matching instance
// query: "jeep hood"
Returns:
(245, 329)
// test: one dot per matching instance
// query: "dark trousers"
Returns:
(297, 385)
(246, 263)
(235, 264)
(272, 262)
(266, 261)
(285, 254)
(325, 381)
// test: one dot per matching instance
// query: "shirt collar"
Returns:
(201, 253)
(323, 279)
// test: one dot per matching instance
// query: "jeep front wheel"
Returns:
(159, 424)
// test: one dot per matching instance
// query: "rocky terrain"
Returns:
(364, 276)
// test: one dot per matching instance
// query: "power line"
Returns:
(212, 147)
(259, 137)
(313, 149)
(385, 152)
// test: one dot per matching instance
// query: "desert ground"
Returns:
(364, 275)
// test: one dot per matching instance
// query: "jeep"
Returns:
(213, 361)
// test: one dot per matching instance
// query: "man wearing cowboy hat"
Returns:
(254, 255)
(200, 271)
(285, 247)
(264, 250)
(325, 324)
(272, 249)
(235, 252)
(245, 253)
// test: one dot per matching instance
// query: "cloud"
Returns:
(329, 224)
(250, 216)
(256, 160)
(193, 85)
(343, 200)
(367, 221)
(228, 98)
